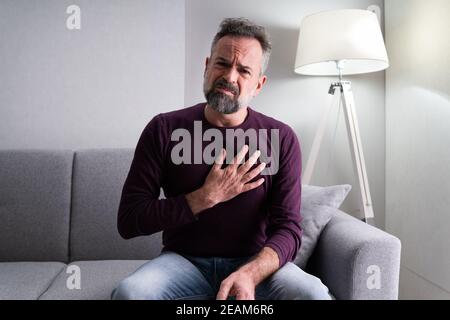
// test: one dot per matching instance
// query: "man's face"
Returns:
(233, 74)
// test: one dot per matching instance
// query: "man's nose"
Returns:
(231, 75)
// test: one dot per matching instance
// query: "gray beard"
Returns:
(221, 102)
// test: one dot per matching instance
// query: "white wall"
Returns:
(88, 88)
(298, 100)
(418, 140)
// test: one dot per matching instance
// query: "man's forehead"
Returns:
(228, 46)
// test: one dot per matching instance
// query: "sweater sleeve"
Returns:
(283, 230)
(141, 212)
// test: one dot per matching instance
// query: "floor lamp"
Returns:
(337, 43)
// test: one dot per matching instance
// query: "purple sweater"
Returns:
(266, 216)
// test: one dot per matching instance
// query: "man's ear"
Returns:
(261, 81)
(206, 66)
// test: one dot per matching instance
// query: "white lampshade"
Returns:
(351, 36)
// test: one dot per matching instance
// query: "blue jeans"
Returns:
(172, 276)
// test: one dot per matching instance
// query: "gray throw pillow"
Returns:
(331, 196)
(317, 207)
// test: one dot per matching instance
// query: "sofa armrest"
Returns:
(356, 260)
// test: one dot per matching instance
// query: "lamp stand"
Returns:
(344, 88)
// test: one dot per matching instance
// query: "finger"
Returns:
(249, 176)
(241, 155)
(240, 296)
(232, 293)
(252, 185)
(250, 162)
(243, 296)
(224, 290)
(220, 159)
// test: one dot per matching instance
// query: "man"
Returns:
(232, 222)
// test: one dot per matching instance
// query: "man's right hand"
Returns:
(224, 184)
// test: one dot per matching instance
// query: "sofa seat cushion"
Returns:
(27, 280)
(97, 279)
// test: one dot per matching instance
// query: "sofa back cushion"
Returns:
(35, 188)
(98, 178)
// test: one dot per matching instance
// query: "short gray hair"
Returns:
(242, 27)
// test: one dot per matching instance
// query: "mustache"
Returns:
(224, 84)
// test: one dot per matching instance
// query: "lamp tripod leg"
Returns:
(315, 148)
(351, 121)
(357, 151)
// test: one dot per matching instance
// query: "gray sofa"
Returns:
(59, 208)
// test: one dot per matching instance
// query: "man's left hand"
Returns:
(239, 284)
